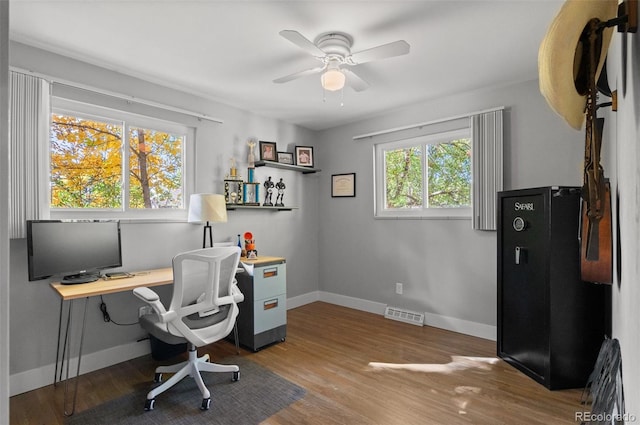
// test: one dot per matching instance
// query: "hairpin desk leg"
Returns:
(68, 349)
(55, 373)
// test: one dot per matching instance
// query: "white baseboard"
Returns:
(300, 300)
(453, 324)
(466, 327)
(351, 302)
(43, 376)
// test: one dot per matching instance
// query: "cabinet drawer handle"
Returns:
(270, 272)
(268, 305)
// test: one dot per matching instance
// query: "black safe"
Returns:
(550, 323)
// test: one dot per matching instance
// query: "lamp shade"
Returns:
(207, 207)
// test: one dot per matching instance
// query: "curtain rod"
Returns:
(121, 96)
(422, 124)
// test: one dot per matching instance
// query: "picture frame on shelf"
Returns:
(268, 151)
(343, 185)
(304, 156)
(285, 158)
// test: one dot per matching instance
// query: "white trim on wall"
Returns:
(42, 376)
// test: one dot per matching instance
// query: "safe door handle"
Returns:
(520, 255)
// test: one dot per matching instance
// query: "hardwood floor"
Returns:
(428, 376)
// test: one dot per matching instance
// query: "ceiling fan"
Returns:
(333, 49)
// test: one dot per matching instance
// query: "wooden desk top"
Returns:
(155, 277)
(262, 260)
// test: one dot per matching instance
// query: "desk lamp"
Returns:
(207, 207)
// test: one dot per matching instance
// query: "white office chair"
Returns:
(203, 310)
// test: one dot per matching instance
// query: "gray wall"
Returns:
(34, 313)
(446, 267)
(621, 148)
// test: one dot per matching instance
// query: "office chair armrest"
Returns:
(238, 296)
(150, 297)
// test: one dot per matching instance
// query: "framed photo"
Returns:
(268, 151)
(343, 185)
(285, 158)
(304, 156)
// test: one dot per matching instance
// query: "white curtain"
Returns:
(487, 139)
(28, 151)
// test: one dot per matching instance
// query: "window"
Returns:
(450, 168)
(427, 176)
(115, 164)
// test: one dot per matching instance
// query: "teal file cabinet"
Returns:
(263, 313)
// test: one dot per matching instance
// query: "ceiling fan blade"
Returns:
(396, 48)
(301, 41)
(355, 81)
(304, 73)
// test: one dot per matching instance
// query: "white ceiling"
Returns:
(230, 51)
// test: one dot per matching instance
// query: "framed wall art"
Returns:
(285, 158)
(343, 185)
(268, 151)
(304, 156)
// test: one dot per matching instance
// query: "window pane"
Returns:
(403, 172)
(155, 163)
(86, 163)
(449, 169)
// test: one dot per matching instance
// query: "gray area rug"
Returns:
(258, 395)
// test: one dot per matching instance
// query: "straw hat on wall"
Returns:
(559, 57)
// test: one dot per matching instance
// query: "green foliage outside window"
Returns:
(403, 170)
(448, 181)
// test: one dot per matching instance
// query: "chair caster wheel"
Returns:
(149, 404)
(157, 378)
(206, 402)
(236, 376)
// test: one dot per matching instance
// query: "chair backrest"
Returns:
(203, 299)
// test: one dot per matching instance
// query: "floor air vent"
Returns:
(404, 316)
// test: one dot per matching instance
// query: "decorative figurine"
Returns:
(233, 171)
(233, 190)
(251, 158)
(250, 245)
(280, 186)
(251, 188)
(268, 189)
(233, 185)
(251, 193)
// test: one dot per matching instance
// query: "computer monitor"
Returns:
(74, 250)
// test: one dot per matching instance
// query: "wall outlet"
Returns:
(145, 309)
(399, 288)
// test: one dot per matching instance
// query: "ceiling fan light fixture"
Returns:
(333, 79)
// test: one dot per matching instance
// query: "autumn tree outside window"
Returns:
(116, 164)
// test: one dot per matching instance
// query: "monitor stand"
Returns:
(73, 279)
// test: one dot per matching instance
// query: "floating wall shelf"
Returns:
(273, 164)
(259, 207)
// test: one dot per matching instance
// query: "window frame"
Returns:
(62, 106)
(379, 149)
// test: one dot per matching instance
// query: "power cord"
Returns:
(107, 318)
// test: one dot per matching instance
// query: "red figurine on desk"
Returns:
(250, 246)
